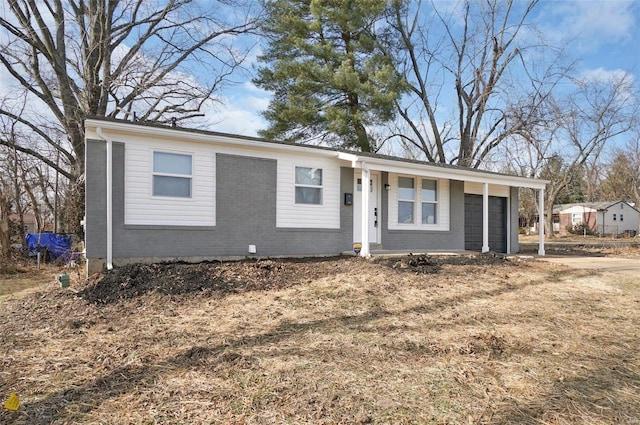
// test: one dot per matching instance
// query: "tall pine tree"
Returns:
(330, 81)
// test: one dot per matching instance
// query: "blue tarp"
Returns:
(57, 246)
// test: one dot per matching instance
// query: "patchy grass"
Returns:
(19, 280)
(331, 341)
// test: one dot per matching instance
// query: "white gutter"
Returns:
(485, 217)
(109, 197)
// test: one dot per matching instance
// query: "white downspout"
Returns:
(366, 176)
(109, 197)
(541, 222)
(485, 217)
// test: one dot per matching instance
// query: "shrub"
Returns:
(580, 229)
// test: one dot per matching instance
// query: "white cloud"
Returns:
(612, 20)
(618, 82)
(602, 75)
(240, 111)
(591, 23)
(233, 120)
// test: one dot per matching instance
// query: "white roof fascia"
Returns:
(454, 173)
(575, 209)
(143, 130)
(380, 164)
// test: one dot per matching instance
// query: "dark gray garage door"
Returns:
(473, 223)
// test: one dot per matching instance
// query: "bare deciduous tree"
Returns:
(113, 58)
(478, 59)
(576, 130)
(5, 210)
(622, 180)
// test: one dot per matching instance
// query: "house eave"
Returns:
(463, 174)
(373, 161)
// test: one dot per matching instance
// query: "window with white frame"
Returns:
(429, 199)
(576, 218)
(614, 217)
(417, 201)
(172, 174)
(621, 217)
(406, 200)
(308, 185)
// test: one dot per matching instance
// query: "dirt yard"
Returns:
(448, 340)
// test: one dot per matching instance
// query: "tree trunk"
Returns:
(5, 233)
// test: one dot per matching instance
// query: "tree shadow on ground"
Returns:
(592, 389)
(84, 398)
(219, 279)
(604, 392)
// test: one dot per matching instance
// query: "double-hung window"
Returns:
(417, 201)
(406, 200)
(429, 199)
(308, 185)
(172, 175)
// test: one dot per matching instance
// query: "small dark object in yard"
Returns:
(424, 263)
(421, 263)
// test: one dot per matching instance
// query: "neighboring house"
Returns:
(614, 218)
(30, 222)
(156, 193)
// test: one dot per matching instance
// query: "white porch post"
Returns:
(541, 222)
(485, 217)
(366, 176)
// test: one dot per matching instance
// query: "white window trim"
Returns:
(321, 187)
(414, 201)
(436, 202)
(442, 222)
(573, 219)
(191, 176)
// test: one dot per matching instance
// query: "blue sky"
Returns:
(605, 34)
(602, 35)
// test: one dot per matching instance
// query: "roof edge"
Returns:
(201, 135)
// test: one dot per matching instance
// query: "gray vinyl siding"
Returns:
(246, 199)
(246, 215)
(428, 240)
